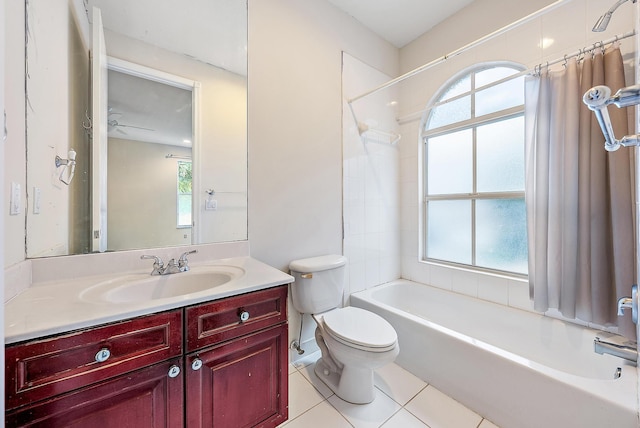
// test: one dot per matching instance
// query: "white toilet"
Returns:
(353, 341)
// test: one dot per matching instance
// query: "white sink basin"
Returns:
(145, 287)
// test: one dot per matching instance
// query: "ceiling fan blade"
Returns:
(136, 127)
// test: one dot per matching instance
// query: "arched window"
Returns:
(473, 136)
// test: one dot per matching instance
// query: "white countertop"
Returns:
(53, 307)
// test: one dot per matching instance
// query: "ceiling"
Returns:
(211, 31)
(144, 110)
(400, 21)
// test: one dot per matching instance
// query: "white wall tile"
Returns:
(465, 282)
(494, 289)
(441, 277)
(519, 295)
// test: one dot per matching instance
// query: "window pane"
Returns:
(500, 156)
(450, 163)
(493, 74)
(184, 177)
(505, 95)
(458, 88)
(449, 231)
(184, 210)
(185, 185)
(501, 235)
(455, 111)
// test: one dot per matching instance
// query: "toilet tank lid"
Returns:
(317, 264)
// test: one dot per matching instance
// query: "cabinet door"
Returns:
(144, 398)
(241, 383)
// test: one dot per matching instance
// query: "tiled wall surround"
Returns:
(371, 210)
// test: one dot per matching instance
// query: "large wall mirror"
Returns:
(136, 124)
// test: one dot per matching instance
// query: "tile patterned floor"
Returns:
(402, 401)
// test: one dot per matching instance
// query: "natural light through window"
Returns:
(184, 193)
(474, 172)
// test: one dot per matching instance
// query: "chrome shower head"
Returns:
(603, 21)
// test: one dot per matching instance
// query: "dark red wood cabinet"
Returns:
(216, 364)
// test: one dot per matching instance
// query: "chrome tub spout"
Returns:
(621, 351)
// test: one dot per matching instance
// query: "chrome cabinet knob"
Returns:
(196, 364)
(244, 315)
(174, 371)
(103, 355)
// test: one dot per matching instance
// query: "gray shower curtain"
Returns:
(579, 197)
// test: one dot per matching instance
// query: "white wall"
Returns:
(15, 145)
(295, 124)
(142, 195)
(570, 28)
(51, 31)
(295, 128)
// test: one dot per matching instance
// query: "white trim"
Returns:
(149, 73)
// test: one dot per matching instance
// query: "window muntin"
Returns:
(474, 172)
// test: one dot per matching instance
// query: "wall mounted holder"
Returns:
(69, 167)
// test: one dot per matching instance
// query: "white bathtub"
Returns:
(516, 368)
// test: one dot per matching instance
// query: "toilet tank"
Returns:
(319, 283)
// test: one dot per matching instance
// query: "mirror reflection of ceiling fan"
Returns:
(115, 125)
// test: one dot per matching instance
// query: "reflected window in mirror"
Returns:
(185, 190)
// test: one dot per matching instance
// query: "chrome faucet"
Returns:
(183, 263)
(173, 266)
(158, 264)
(601, 347)
(631, 303)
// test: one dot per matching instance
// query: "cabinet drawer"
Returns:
(147, 397)
(220, 320)
(43, 368)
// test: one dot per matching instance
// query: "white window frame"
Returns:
(473, 123)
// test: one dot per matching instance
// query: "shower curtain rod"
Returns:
(464, 48)
(583, 51)
(416, 115)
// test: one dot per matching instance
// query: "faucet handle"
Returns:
(156, 260)
(183, 257)
(630, 302)
(183, 262)
(158, 264)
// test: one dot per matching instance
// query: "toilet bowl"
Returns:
(353, 341)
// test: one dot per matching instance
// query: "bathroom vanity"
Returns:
(216, 358)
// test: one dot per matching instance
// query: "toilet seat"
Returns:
(360, 329)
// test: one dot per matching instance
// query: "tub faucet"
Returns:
(621, 351)
(630, 302)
